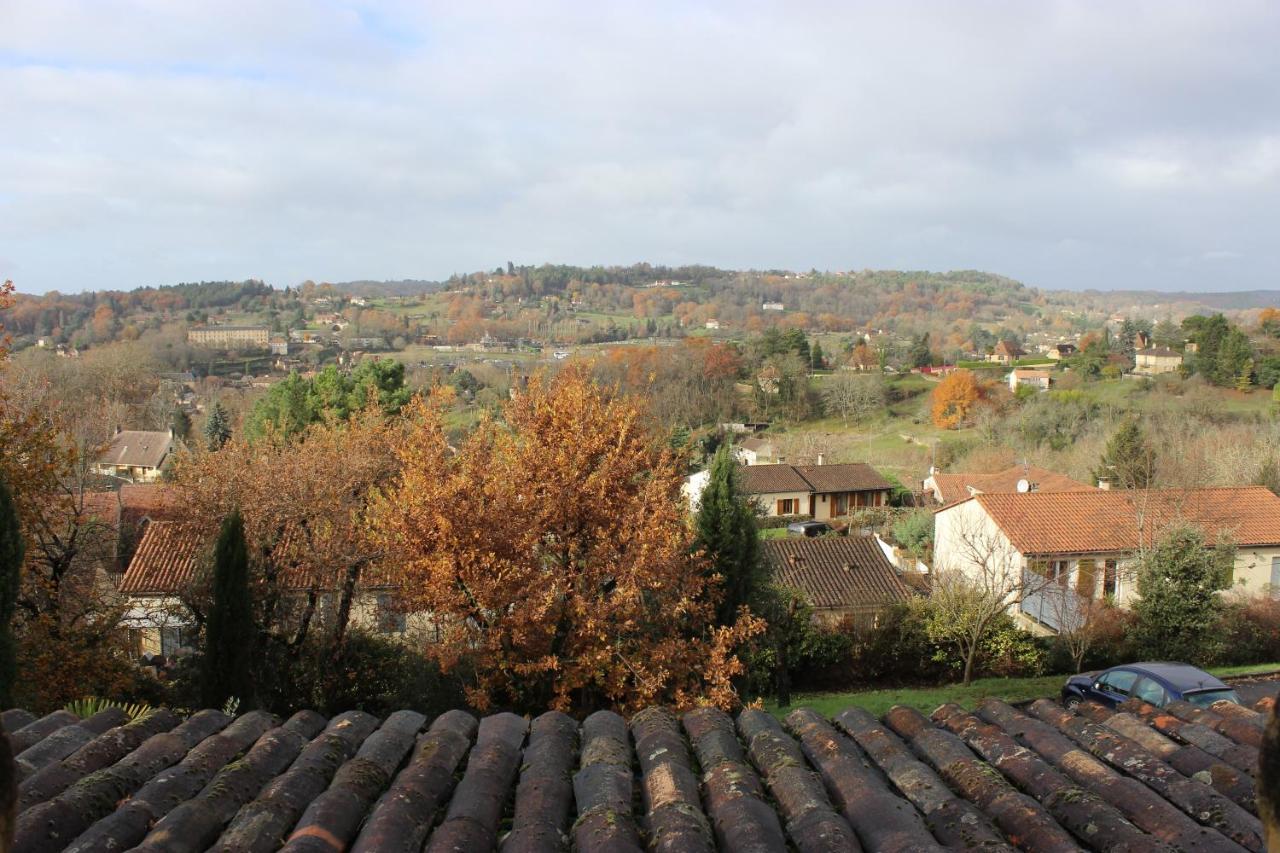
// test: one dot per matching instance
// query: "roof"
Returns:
(1028, 373)
(845, 477)
(956, 487)
(1042, 778)
(165, 560)
(1160, 352)
(137, 448)
(1065, 347)
(1007, 348)
(837, 571)
(229, 329)
(1107, 521)
(755, 444)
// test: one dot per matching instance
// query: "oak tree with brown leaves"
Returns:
(553, 552)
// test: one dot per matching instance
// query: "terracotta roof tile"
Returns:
(165, 561)
(837, 571)
(956, 487)
(1103, 521)
(844, 477)
(140, 448)
(1038, 778)
(769, 479)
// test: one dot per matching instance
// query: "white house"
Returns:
(772, 306)
(136, 455)
(1038, 379)
(824, 492)
(756, 451)
(712, 324)
(950, 488)
(1084, 542)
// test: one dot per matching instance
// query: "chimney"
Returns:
(119, 429)
(1104, 484)
(171, 432)
(819, 458)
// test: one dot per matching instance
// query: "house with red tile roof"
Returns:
(949, 488)
(823, 491)
(1086, 541)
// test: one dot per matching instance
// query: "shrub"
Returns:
(772, 522)
(1250, 628)
(915, 532)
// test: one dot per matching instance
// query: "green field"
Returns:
(926, 699)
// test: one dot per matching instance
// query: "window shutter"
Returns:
(1086, 578)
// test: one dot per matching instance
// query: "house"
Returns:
(137, 455)
(1084, 542)
(756, 451)
(950, 488)
(842, 577)
(279, 345)
(712, 324)
(363, 783)
(166, 566)
(230, 337)
(1024, 377)
(824, 492)
(1141, 340)
(1006, 352)
(1057, 352)
(772, 306)
(1153, 362)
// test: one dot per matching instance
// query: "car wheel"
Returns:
(1072, 703)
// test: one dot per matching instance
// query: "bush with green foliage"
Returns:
(914, 532)
(1176, 616)
(231, 636)
(1250, 630)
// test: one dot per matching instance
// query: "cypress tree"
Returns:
(11, 551)
(217, 429)
(229, 633)
(726, 531)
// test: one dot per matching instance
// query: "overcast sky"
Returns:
(1069, 145)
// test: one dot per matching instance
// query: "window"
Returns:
(1059, 571)
(1118, 681)
(390, 620)
(840, 504)
(789, 506)
(1275, 577)
(1110, 578)
(1148, 691)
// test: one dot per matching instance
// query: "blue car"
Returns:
(1156, 682)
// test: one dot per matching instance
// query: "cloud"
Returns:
(1066, 144)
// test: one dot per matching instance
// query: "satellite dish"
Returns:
(1024, 486)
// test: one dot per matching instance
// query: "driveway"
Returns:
(1251, 690)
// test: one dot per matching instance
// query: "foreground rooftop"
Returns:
(1034, 778)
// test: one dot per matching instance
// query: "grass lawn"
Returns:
(926, 699)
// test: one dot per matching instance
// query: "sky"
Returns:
(1072, 145)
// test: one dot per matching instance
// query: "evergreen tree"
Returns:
(726, 531)
(11, 551)
(217, 429)
(1129, 460)
(1178, 610)
(180, 422)
(818, 358)
(919, 355)
(229, 632)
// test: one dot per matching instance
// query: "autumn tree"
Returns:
(553, 552)
(230, 639)
(11, 550)
(956, 399)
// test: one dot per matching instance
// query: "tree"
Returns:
(920, 355)
(217, 429)
(817, 359)
(1129, 461)
(1179, 607)
(180, 422)
(726, 533)
(11, 552)
(852, 396)
(554, 553)
(981, 578)
(1167, 334)
(293, 404)
(955, 399)
(230, 634)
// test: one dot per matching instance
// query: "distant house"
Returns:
(1141, 340)
(950, 488)
(772, 306)
(136, 455)
(713, 324)
(842, 577)
(1057, 352)
(1081, 545)
(1038, 379)
(756, 451)
(1153, 362)
(279, 345)
(1006, 352)
(165, 568)
(230, 337)
(825, 492)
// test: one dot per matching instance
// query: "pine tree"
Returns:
(11, 551)
(217, 429)
(229, 633)
(1129, 460)
(726, 531)
(1178, 610)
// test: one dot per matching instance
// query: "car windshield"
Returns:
(1205, 698)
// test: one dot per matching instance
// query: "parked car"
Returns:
(808, 528)
(1156, 682)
